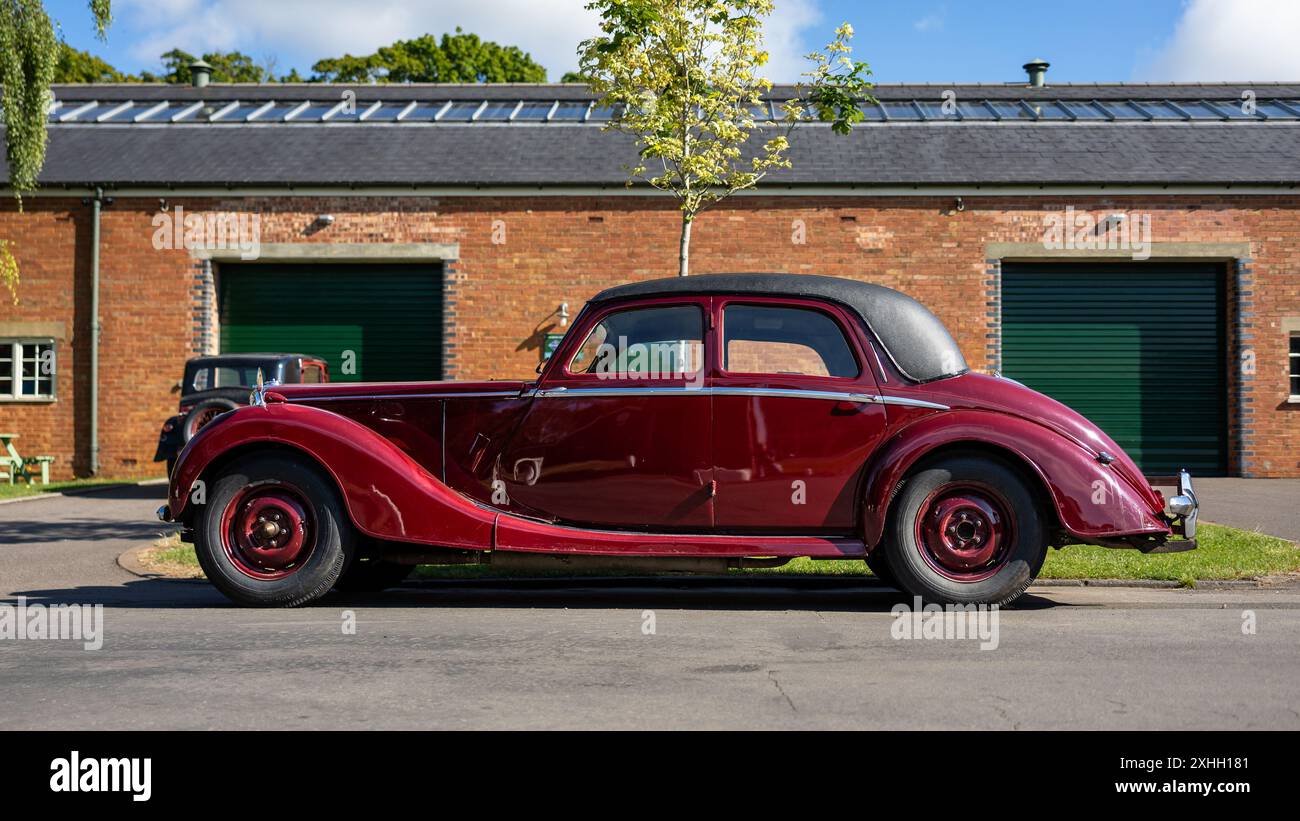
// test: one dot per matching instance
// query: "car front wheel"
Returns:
(966, 530)
(273, 532)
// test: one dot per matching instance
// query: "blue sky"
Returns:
(905, 41)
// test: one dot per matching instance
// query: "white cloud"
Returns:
(299, 32)
(786, 37)
(1228, 40)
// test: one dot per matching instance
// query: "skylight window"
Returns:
(461, 111)
(578, 112)
(901, 111)
(569, 112)
(1084, 110)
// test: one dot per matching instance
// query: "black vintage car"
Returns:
(213, 385)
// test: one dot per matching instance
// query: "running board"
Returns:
(530, 536)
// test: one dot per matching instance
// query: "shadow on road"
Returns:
(37, 531)
(857, 595)
(127, 493)
(44, 519)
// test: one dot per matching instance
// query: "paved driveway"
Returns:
(578, 655)
(1269, 505)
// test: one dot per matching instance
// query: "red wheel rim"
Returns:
(203, 418)
(965, 531)
(267, 531)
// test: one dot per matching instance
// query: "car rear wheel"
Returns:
(966, 530)
(273, 533)
(373, 575)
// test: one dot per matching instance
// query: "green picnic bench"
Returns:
(13, 466)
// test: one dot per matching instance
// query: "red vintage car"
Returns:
(692, 423)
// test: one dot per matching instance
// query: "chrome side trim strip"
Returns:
(363, 396)
(912, 403)
(833, 396)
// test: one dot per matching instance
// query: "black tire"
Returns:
(878, 563)
(201, 413)
(1015, 565)
(328, 532)
(372, 575)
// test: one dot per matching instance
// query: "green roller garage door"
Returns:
(1138, 348)
(374, 323)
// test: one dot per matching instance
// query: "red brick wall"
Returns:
(563, 249)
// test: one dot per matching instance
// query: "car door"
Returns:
(618, 432)
(794, 416)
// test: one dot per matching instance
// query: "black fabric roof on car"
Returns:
(913, 337)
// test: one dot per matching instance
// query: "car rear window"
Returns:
(772, 339)
(208, 377)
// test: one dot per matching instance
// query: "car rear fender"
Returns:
(1091, 501)
(388, 495)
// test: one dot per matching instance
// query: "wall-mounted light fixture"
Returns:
(564, 314)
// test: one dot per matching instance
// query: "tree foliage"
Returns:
(455, 58)
(684, 78)
(29, 58)
(227, 67)
(76, 66)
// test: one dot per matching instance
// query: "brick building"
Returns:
(1132, 250)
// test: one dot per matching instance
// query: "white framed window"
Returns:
(1293, 362)
(27, 370)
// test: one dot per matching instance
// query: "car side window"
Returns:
(644, 343)
(772, 339)
(311, 373)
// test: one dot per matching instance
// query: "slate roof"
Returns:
(581, 154)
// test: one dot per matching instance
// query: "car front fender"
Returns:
(388, 494)
(1092, 502)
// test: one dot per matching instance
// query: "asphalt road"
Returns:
(176, 655)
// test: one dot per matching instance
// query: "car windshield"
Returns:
(207, 376)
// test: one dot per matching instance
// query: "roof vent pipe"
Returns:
(200, 73)
(1037, 71)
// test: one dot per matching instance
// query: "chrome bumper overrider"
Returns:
(1184, 505)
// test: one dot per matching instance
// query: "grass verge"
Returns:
(1224, 553)
(22, 489)
(171, 557)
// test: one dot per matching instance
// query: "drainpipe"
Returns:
(96, 207)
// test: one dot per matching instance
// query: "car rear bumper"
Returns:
(1182, 509)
